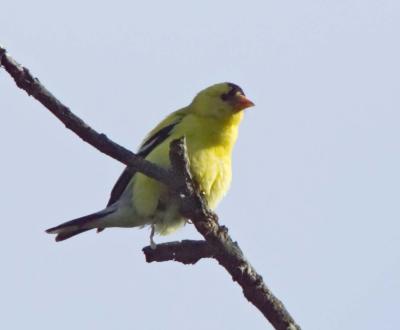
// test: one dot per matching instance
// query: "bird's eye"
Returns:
(234, 91)
(225, 96)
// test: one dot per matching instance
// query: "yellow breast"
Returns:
(210, 150)
(209, 144)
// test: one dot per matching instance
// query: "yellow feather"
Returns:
(210, 140)
(210, 124)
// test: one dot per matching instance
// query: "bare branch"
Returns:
(218, 243)
(24, 80)
(186, 252)
(229, 255)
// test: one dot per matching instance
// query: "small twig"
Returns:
(218, 243)
(186, 252)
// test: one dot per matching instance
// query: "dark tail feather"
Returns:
(74, 227)
(63, 236)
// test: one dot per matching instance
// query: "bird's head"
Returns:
(222, 100)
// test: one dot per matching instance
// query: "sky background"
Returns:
(314, 202)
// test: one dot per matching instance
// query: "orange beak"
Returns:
(241, 102)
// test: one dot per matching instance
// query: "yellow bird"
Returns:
(210, 124)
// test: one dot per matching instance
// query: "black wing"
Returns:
(148, 145)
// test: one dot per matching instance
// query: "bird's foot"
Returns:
(153, 244)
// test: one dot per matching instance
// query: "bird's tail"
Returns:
(74, 227)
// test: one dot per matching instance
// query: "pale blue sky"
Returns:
(315, 197)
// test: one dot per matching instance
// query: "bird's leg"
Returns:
(153, 244)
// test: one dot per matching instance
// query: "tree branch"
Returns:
(218, 244)
(24, 80)
(187, 252)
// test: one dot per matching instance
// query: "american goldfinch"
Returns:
(210, 124)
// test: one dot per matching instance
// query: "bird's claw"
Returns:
(153, 244)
